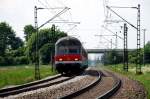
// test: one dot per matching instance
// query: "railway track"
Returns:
(34, 85)
(91, 84)
(84, 89)
(102, 88)
(113, 90)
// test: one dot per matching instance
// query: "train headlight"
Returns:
(60, 59)
(76, 59)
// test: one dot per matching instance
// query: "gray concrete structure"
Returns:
(106, 50)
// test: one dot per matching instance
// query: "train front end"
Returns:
(68, 55)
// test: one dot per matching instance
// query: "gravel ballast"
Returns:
(130, 89)
(58, 90)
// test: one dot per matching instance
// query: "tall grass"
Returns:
(14, 75)
(143, 78)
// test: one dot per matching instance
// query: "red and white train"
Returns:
(70, 56)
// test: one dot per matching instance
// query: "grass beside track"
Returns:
(142, 78)
(15, 75)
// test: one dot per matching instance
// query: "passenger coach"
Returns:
(70, 56)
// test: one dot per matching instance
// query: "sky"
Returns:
(90, 14)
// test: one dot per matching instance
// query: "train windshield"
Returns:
(73, 51)
(68, 50)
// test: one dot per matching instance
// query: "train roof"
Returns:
(70, 39)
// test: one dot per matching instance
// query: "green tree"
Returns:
(28, 30)
(16, 43)
(132, 56)
(147, 52)
(47, 39)
(5, 32)
(10, 46)
(112, 57)
(8, 39)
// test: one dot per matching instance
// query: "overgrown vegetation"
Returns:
(15, 75)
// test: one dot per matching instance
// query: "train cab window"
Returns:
(68, 50)
(62, 50)
(73, 51)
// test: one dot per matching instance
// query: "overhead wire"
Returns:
(106, 13)
(58, 14)
(108, 16)
(42, 3)
(69, 16)
(60, 2)
(46, 4)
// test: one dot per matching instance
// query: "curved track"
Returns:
(98, 89)
(113, 90)
(79, 92)
(34, 85)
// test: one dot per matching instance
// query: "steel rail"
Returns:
(113, 90)
(84, 89)
(29, 84)
(32, 86)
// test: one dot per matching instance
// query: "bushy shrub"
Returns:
(21, 60)
(2, 61)
(112, 57)
(9, 60)
(147, 57)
